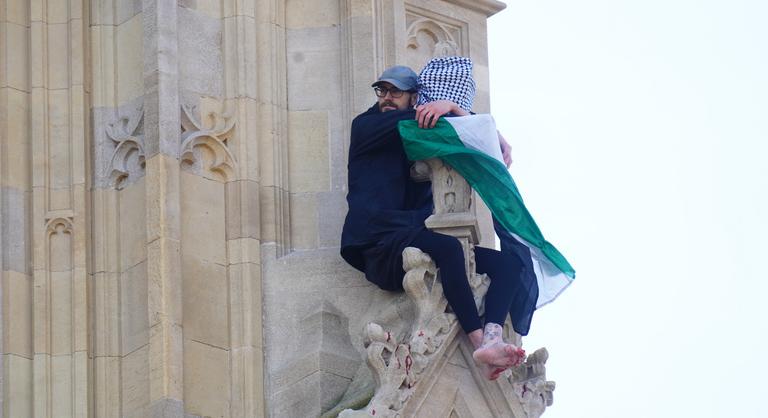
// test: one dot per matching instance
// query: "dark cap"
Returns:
(399, 76)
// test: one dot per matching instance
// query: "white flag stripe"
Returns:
(478, 132)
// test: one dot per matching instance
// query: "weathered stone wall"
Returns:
(172, 183)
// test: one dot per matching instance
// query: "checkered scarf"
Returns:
(447, 78)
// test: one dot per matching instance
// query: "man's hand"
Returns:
(428, 114)
(506, 150)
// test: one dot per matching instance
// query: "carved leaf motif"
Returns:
(203, 146)
(127, 160)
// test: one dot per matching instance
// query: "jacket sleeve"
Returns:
(373, 129)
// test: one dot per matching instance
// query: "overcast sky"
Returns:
(640, 138)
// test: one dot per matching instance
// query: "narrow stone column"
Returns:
(453, 215)
(162, 128)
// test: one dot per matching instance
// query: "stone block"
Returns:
(133, 308)
(135, 384)
(332, 209)
(203, 218)
(105, 231)
(242, 8)
(16, 136)
(309, 165)
(209, 8)
(200, 72)
(77, 54)
(15, 222)
(15, 62)
(57, 12)
(165, 361)
(106, 386)
(103, 62)
(164, 281)
(311, 14)
(37, 57)
(240, 67)
(131, 215)
(17, 370)
(126, 10)
(308, 50)
(168, 408)
(58, 55)
(243, 210)
(61, 312)
(269, 197)
(163, 211)
(244, 250)
(16, 11)
(106, 306)
(17, 314)
(206, 380)
(130, 78)
(59, 149)
(304, 221)
(245, 305)
(80, 311)
(319, 393)
(62, 385)
(205, 302)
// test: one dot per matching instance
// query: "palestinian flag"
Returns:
(470, 145)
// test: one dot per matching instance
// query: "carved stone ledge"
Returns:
(204, 148)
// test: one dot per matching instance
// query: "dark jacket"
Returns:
(386, 207)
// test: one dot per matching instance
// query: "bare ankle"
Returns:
(492, 334)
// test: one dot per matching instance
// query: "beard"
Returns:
(385, 104)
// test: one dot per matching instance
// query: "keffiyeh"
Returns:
(447, 78)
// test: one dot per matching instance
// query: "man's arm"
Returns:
(428, 113)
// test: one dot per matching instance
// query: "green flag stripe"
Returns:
(488, 176)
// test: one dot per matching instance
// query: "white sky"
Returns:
(640, 138)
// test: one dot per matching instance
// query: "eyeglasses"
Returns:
(394, 92)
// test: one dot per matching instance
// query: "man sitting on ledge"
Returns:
(387, 209)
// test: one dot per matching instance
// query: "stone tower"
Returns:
(173, 181)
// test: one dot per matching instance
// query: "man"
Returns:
(387, 210)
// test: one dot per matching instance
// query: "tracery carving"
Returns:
(426, 35)
(60, 225)
(204, 148)
(127, 161)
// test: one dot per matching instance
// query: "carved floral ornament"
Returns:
(204, 148)
(127, 160)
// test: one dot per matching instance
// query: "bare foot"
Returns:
(499, 355)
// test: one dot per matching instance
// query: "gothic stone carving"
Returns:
(127, 161)
(432, 35)
(530, 383)
(397, 366)
(204, 148)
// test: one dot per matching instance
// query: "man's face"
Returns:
(392, 98)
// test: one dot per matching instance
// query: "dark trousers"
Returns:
(502, 268)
